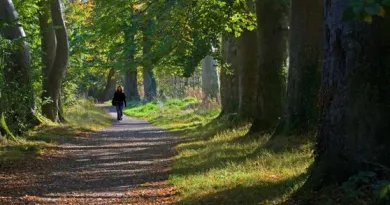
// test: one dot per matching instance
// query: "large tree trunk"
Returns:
(304, 68)
(17, 98)
(109, 89)
(131, 75)
(150, 86)
(131, 86)
(210, 84)
(248, 73)
(57, 72)
(49, 46)
(271, 20)
(355, 112)
(229, 75)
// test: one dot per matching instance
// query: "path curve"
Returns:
(126, 163)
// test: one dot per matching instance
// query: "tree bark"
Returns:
(271, 20)
(248, 73)
(48, 39)
(353, 132)
(229, 76)
(109, 89)
(131, 86)
(48, 46)
(131, 75)
(57, 72)
(306, 31)
(210, 85)
(150, 86)
(17, 97)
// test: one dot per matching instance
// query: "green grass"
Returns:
(81, 118)
(19, 149)
(217, 164)
(174, 114)
(85, 115)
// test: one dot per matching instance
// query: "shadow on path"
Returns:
(127, 162)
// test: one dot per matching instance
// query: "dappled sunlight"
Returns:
(112, 163)
(219, 168)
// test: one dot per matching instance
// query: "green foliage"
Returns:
(4, 126)
(367, 183)
(365, 10)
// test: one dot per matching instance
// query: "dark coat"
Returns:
(119, 97)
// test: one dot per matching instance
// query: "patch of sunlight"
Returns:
(223, 168)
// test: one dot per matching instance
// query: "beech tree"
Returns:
(247, 53)
(305, 55)
(248, 66)
(229, 75)
(271, 20)
(210, 85)
(130, 72)
(110, 85)
(354, 98)
(150, 86)
(17, 98)
(55, 57)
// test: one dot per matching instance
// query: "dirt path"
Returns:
(126, 163)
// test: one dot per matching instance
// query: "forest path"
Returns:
(126, 163)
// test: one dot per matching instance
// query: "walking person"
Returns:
(118, 101)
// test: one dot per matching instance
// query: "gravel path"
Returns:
(127, 163)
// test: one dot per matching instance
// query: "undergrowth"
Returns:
(81, 118)
(217, 164)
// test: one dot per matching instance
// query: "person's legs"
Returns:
(118, 111)
(121, 110)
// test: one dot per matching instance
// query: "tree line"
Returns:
(307, 67)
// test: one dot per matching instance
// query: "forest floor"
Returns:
(126, 163)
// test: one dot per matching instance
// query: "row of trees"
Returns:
(336, 82)
(18, 97)
(290, 67)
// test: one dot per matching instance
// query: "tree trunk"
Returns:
(131, 75)
(229, 76)
(17, 98)
(271, 20)
(248, 73)
(131, 87)
(354, 99)
(48, 46)
(109, 89)
(150, 86)
(301, 113)
(210, 85)
(57, 72)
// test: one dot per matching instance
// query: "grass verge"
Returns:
(215, 164)
(81, 118)
(174, 114)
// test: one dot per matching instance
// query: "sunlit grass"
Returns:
(86, 115)
(217, 164)
(174, 114)
(21, 148)
(81, 118)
